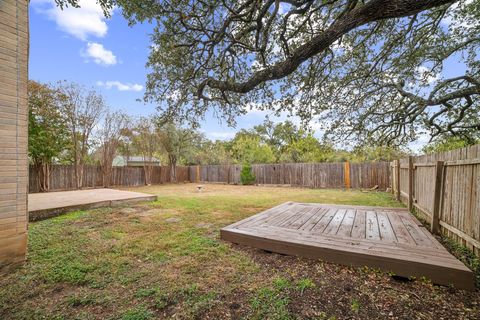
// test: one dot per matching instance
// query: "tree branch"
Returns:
(373, 10)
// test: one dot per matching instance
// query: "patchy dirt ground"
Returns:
(165, 260)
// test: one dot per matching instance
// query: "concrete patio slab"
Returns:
(45, 205)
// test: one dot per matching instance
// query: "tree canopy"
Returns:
(370, 70)
(250, 149)
(48, 135)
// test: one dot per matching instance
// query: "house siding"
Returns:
(13, 131)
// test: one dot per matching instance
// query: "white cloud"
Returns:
(417, 145)
(120, 85)
(284, 8)
(99, 54)
(88, 20)
(426, 75)
(257, 109)
(339, 46)
(257, 66)
(220, 135)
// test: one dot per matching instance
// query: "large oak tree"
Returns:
(369, 69)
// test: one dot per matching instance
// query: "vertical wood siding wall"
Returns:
(311, 175)
(458, 203)
(13, 131)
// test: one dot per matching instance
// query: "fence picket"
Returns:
(457, 200)
(62, 177)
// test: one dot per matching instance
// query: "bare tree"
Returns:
(145, 141)
(83, 110)
(109, 137)
(177, 142)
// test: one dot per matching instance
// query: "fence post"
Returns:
(437, 197)
(390, 176)
(346, 175)
(410, 183)
(397, 173)
(197, 176)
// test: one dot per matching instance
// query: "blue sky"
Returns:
(80, 45)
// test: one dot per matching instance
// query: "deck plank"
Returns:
(307, 215)
(312, 222)
(358, 230)
(267, 215)
(385, 227)
(361, 246)
(298, 217)
(416, 233)
(323, 223)
(371, 226)
(347, 223)
(334, 224)
(386, 238)
(401, 233)
(279, 218)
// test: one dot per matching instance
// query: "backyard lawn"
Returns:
(165, 260)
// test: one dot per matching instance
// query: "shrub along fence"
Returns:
(445, 189)
(311, 175)
(62, 177)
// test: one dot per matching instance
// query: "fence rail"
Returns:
(311, 175)
(445, 189)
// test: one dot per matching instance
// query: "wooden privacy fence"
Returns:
(312, 175)
(62, 177)
(445, 189)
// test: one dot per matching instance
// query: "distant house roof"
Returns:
(141, 159)
(120, 161)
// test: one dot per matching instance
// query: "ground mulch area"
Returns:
(376, 295)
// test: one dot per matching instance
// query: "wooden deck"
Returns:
(387, 238)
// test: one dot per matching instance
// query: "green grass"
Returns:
(111, 264)
(304, 284)
(270, 303)
(137, 313)
(81, 300)
(355, 305)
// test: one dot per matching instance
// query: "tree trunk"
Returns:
(172, 162)
(75, 167)
(107, 175)
(40, 176)
(43, 176)
(80, 169)
(47, 177)
(148, 174)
